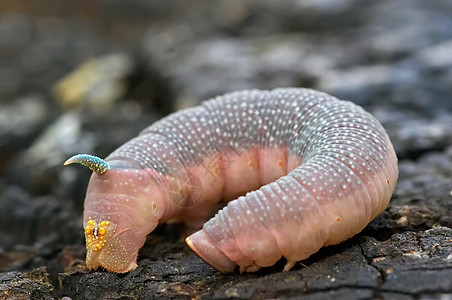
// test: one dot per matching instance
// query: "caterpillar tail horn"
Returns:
(96, 164)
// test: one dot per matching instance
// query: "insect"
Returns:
(303, 170)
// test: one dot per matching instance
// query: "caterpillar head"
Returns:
(118, 212)
(114, 251)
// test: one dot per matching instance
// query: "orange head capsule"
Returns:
(96, 234)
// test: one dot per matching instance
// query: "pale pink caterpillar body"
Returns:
(309, 170)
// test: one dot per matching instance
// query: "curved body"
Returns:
(303, 169)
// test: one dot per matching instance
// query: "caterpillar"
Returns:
(303, 170)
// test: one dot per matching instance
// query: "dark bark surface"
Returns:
(135, 61)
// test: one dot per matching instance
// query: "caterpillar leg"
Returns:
(289, 265)
(251, 268)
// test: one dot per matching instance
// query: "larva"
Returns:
(306, 170)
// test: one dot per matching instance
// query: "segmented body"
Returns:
(308, 169)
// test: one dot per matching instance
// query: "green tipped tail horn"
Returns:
(96, 164)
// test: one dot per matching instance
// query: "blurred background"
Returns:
(84, 77)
